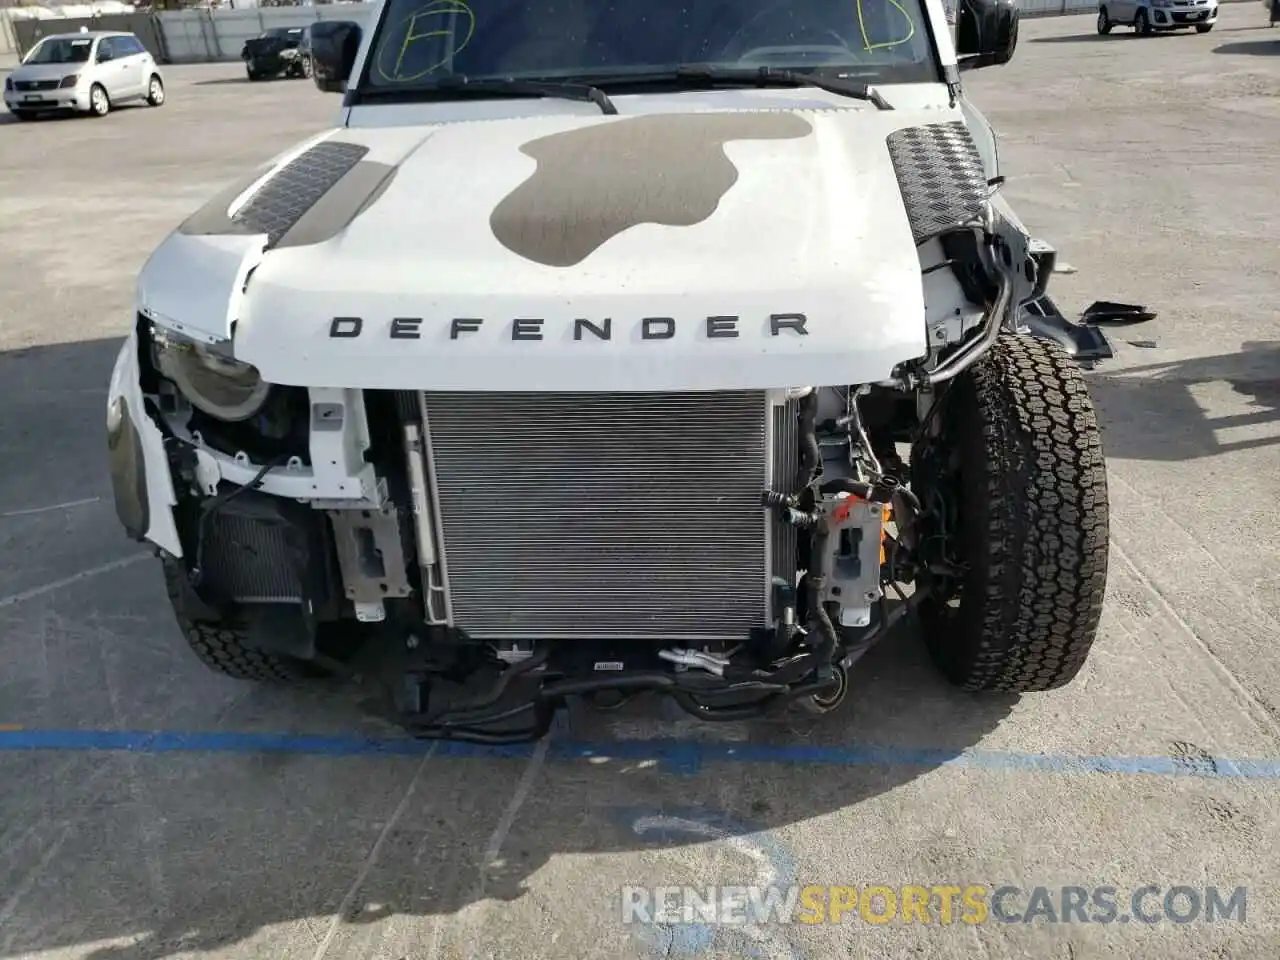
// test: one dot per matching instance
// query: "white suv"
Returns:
(85, 72)
(574, 359)
(1148, 16)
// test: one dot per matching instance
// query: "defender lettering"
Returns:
(534, 329)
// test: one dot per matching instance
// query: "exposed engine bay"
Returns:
(695, 385)
(737, 550)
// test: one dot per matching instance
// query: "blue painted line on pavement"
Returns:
(679, 756)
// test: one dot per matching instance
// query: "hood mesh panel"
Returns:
(941, 176)
(283, 200)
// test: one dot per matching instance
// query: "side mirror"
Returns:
(986, 32)
(104, 56)
(334, 45)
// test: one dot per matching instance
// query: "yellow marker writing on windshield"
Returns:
(866, 40)
(436, 19)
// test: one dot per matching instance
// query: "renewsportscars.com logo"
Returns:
(936, 905)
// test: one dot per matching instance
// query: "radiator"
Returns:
(609, 516)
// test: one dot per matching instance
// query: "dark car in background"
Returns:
(279, 51)
(330, 41)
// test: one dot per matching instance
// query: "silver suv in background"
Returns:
(86, 72)
(1149, 16)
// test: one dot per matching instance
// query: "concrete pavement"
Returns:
(149, 809)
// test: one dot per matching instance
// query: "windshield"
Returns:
(417, 43)
(60, 50)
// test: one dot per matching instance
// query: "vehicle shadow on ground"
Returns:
(183, 852)
(277, 827)
(1125, 33)
(1151, 412)
(1253, 48)
(8, 118)
(62, 116)
(223, 81)
(54, 425)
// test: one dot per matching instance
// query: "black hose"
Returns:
(535, 660)
(879, 492)
(473, 733)
(810, 452)
(848, 485)
(818, 686)
(647, 680)
(654, 680)
(817, 582)
(790, 672)
(830, 639)
(623, 700)
(472, 718)
(466, 723)
(466, 718)
(908, 495)
(723, 714)
(708, 685)
(469, 735)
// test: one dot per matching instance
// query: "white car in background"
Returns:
(86, 72)
(1149, 16)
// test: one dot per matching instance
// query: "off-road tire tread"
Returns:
(1037, 505)
(224, 647)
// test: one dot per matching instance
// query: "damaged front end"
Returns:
(493, 554)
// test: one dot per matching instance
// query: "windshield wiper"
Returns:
(488, 86)
(700, 74)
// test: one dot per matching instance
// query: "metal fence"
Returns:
(201, 36)
(8, 43)
(28, 32)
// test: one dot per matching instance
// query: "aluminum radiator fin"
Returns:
(629, 516)
(786, 467)
(249, 561)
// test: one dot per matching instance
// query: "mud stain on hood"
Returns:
(591, 184)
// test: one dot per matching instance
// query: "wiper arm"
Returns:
(701, 74)
(503, 86)
(776, 77)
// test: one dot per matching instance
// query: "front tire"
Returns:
(1104, 22)
(1203, 27)
(99, 102)
(155, 91)
(1019, 461)
(1142, 24)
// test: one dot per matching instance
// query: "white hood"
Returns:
(795, 238)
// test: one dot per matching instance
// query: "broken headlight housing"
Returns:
(208, 376)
